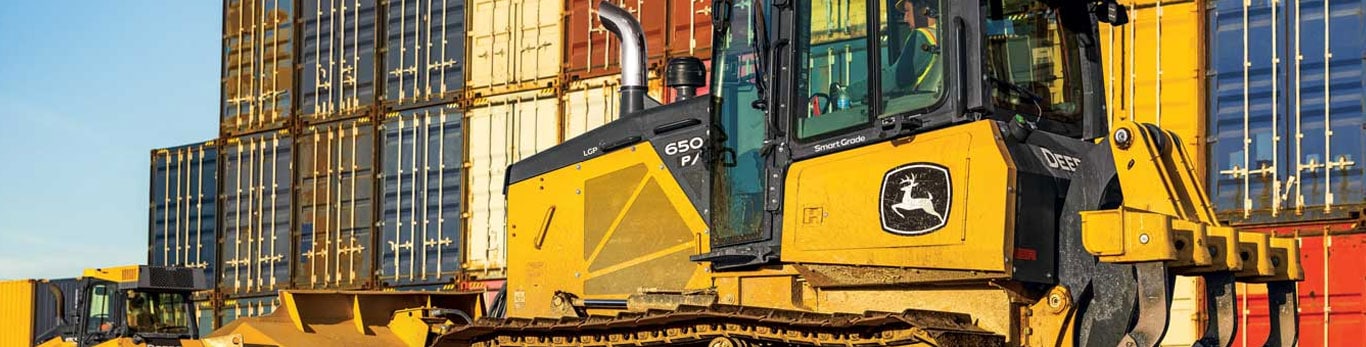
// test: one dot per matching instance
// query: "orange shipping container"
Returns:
(592, 51)
(1332, 297)
(690, 28)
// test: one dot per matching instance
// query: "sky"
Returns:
(87, 90)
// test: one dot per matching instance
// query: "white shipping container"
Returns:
(590, 103)
(1187, 320)
(502, 130)
(514, 44)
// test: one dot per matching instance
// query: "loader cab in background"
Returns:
(143, 304)
(795, 80)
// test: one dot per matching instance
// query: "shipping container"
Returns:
(335, 187)
(205, 318)
(258, 66)
(183, 212)
(337, 58)
(1332, 297)
(490, 288)
(502, 130)
(256, 204)
(421, 237)
(1286, 109)
(232, 309)
(1154, 71)
(592, 51)
(424, 57)
(689, 28)
(1186, 322)
(514, 45)
(591, 103)
(30, 309)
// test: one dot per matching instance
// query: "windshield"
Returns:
(737, 175)
(160, 313)
(1032, 62)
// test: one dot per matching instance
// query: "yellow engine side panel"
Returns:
(16, 306)
(637, 233)
(839, 206)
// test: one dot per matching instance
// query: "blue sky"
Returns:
(87, 89)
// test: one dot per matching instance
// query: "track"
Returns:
(742, 325)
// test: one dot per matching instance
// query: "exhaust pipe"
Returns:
(627, 29)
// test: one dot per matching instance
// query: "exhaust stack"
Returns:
(628, 31)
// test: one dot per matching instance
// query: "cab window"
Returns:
(837, 69)
(1033, 63)
(97, 320)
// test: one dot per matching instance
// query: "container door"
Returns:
(184, 208)
(335, 188)
(337, 54)
(258, 65)
(421, 176)
(256, 203)
(425, 58)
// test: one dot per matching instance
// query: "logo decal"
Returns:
(915, 199)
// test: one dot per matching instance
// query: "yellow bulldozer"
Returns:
(863, 172)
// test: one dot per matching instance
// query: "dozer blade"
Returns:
(750, 325)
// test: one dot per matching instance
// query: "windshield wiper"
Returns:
(1019, 90)
(759, 27)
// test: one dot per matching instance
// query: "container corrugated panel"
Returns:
(45, 304)
(233, 309)
(589, 104)
(1286, 103)
(502, 130)
(184, 208)
(514, 45)
(1332, 297)
(592, 51)
(16, 304)
(337, 58)
(424, 59)
(335, 188)
(1187, 321)
(256, 200)
(204, 317)
(258, 65)
(1154, 72)
(421, 176)
(690, 28)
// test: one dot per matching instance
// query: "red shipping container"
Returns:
(690, 28)
(591, 51)
(1332, 297)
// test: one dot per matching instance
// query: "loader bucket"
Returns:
(357, 318)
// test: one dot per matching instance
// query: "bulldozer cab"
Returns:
(144, 304)
(800, 79)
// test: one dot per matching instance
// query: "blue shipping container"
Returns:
(335, 184)
(204, 317)
(337, 58)
(1287, 109)
(183, 208)
(258, 66)
(424, 57)
(421, 176)
(256, 200)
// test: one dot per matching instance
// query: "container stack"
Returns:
(357, 151)
(1269, 99)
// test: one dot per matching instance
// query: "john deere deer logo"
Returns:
(915, 199)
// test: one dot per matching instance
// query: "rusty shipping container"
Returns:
(1154, 71)
(424, 54)
(592, 51)
(337, 57)
(501, 131)
(335, 193)
(1332, 297)
(1287, 104)
(232, 309)
(421, 179)
(689, 29)
(256, 201)
(514, 45)
(183, 208)
(258, 66)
